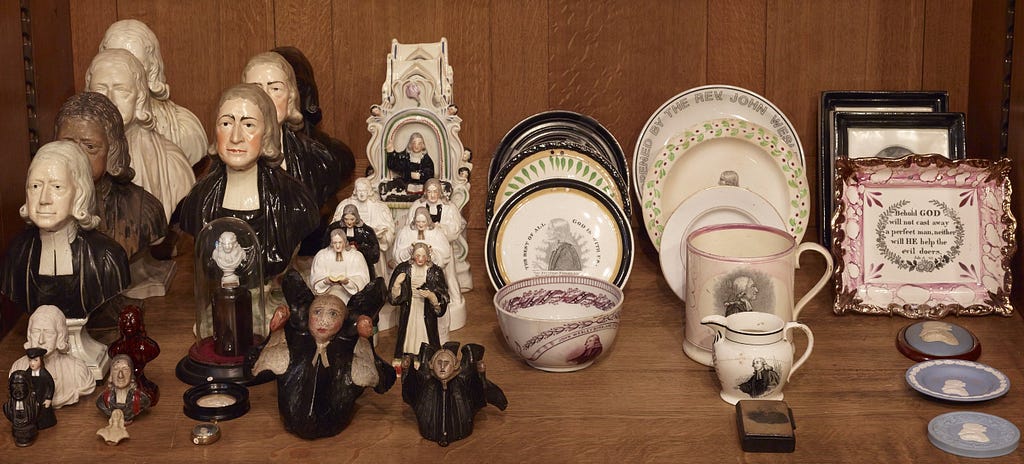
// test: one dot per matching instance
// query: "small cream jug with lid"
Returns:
(753, 354)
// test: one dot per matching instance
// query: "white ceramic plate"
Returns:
(716, 205)
(725, 152)
(558, 227)
(701, 104)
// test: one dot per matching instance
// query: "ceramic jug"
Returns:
(753, 354)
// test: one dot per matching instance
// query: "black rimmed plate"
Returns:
(559, 126)
(564, 159)
(559, 227)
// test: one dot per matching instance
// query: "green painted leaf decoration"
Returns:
(519, 179)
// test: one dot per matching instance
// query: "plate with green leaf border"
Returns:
(563, 160)
(725, 151)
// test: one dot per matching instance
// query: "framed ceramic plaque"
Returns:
(559, 227)
(885, 134)
(923, 236)
(833, 101)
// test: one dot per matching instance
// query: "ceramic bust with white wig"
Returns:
(160, 166)
(306, 159)
(175, 122)
(72, 379)
(60, 259)
(245, 180)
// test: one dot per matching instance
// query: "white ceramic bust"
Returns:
(176, 123)
(228, 256)
(160, 166)
(48, 329)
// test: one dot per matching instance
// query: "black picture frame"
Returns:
(859, 101)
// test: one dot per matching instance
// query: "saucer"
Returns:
(957, 380)
(715, 205)
(973, 434)
(941, 340)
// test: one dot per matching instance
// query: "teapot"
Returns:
(753, 354)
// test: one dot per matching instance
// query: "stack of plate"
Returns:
(558, 202)
(713, 155)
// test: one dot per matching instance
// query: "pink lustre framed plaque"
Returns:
(923, 236)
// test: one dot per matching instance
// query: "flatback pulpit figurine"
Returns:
(360, 234)
(160, 166)
(174, 122)
(340, 269)
(423, 229)
(72, 379)
(246, 182)
(374, 214)
(60, 259)
(320, 352)
(304, 158)
(448, 219)
(446, 388)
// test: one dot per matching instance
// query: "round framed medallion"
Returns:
(559, 227)
(927, 340)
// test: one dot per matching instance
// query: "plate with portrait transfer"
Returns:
(559, 126)
(973, 434)
(559, 227)
(729, 152)
(565, 160)
(705, 103)
(957, 380)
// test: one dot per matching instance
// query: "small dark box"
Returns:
(765, 426)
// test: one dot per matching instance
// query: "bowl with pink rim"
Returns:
(559, 323)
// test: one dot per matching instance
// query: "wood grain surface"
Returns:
(644, 401)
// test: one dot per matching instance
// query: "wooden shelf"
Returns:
(644, 402)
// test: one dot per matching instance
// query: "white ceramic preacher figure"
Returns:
(160, 166)
(448, 219)
(48, 329)
(175, 122)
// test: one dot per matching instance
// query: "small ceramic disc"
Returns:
(927, 340)
(973, 434)
(957, 380)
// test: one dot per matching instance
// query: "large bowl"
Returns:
(559, 323)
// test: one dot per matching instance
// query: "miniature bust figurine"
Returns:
(22, 409)
(448, 219)
(375, 214)
(121, 392)
(42, 385)
(312, 112)
(411, 166)
(134, 343)
(320, 351)
(446, 390)
(339, 269)
(304, 158)
(129, 214)
(115, 431)
(61, 260)
(245, 181)
(176, 123)
(228, 256)
(419, 289)
(48, 329)
(160, 166)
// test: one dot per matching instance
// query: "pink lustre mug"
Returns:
(735, 268)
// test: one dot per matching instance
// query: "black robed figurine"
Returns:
(447, 390)
(21, 409)
(320, 351)
(42, 385)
